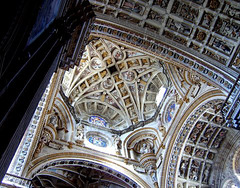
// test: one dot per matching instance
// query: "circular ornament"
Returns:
(108, 84)
(117, 54)
(129, 76)
(96, 64)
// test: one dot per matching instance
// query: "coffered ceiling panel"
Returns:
(210, 29)
(116, 83)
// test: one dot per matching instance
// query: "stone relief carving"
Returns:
(185, 11)
(200, 35)
(207, 20)
(218, 140)
(213, 4)
(206, 173)
(199, 153)
(215, 56)
(227, 28)
(188, 150)
(200, 14)
(157, 47)
(134, 7)
(45, 138)
(55, 121)
(161, 3)
(231, 10)
(197, 131)
(79, 133)
(195, 170)
(200, 150)
(179, 27)
(144, 146)
(124, 16)
(144, 151)
(183, 168)
(156, 16)
(117, 144)
(221, 45)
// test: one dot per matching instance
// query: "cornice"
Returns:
(155, 47)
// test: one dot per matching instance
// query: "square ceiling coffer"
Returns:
(112, 69)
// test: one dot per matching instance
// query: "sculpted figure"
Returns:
(54, 120)
(146, 148)
(117, 144)
(205, 174)
(80, 132)
(57, 123)
(183, 168)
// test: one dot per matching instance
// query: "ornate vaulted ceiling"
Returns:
(104, 115)
(116, 83)
(201, 148)
(209, 29)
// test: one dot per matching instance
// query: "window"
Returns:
(160, 95)
(96, 120)
(97, 140)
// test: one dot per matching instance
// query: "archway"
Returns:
(81, 170)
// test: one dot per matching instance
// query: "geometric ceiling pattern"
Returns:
(201, 148)
(210, 29)
(116, 83)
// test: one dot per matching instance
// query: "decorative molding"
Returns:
(18, 163)
(167, 53)
(181, 134)
(48, 160)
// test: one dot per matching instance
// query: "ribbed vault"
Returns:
(119, 84)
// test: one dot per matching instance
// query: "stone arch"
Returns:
(138, 136)
(182, 132)
(65, 116)
(89, 161)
